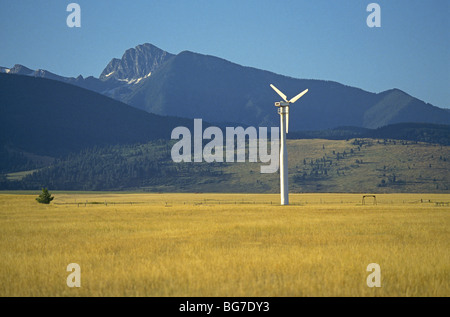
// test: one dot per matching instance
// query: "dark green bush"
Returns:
(45, 197)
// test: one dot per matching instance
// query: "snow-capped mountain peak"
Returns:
(136, 64)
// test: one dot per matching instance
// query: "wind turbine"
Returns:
(283, 110)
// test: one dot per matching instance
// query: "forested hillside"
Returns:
(356, 165)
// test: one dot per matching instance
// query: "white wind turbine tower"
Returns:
(283, 110)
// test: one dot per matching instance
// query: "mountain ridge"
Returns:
(194, 85)
(135, 63)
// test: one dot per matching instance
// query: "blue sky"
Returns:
(320, 39)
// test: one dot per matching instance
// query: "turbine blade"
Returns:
(298, 96)
(279, 92)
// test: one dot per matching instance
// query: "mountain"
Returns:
(48, 117)
(119, 76)
(395, 106)
(193, 85)
(136, 63)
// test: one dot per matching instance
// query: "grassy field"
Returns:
(224, 244)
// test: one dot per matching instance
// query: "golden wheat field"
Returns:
(224, 245)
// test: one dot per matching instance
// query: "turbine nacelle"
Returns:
(285, 104)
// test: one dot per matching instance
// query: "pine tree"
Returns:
(45, 197)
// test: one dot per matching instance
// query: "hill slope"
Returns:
(354, 166)
(417, 132)
(48, 117)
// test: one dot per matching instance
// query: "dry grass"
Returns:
(418, 168)
(224, 245)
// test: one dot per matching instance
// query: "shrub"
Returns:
(45, 197)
